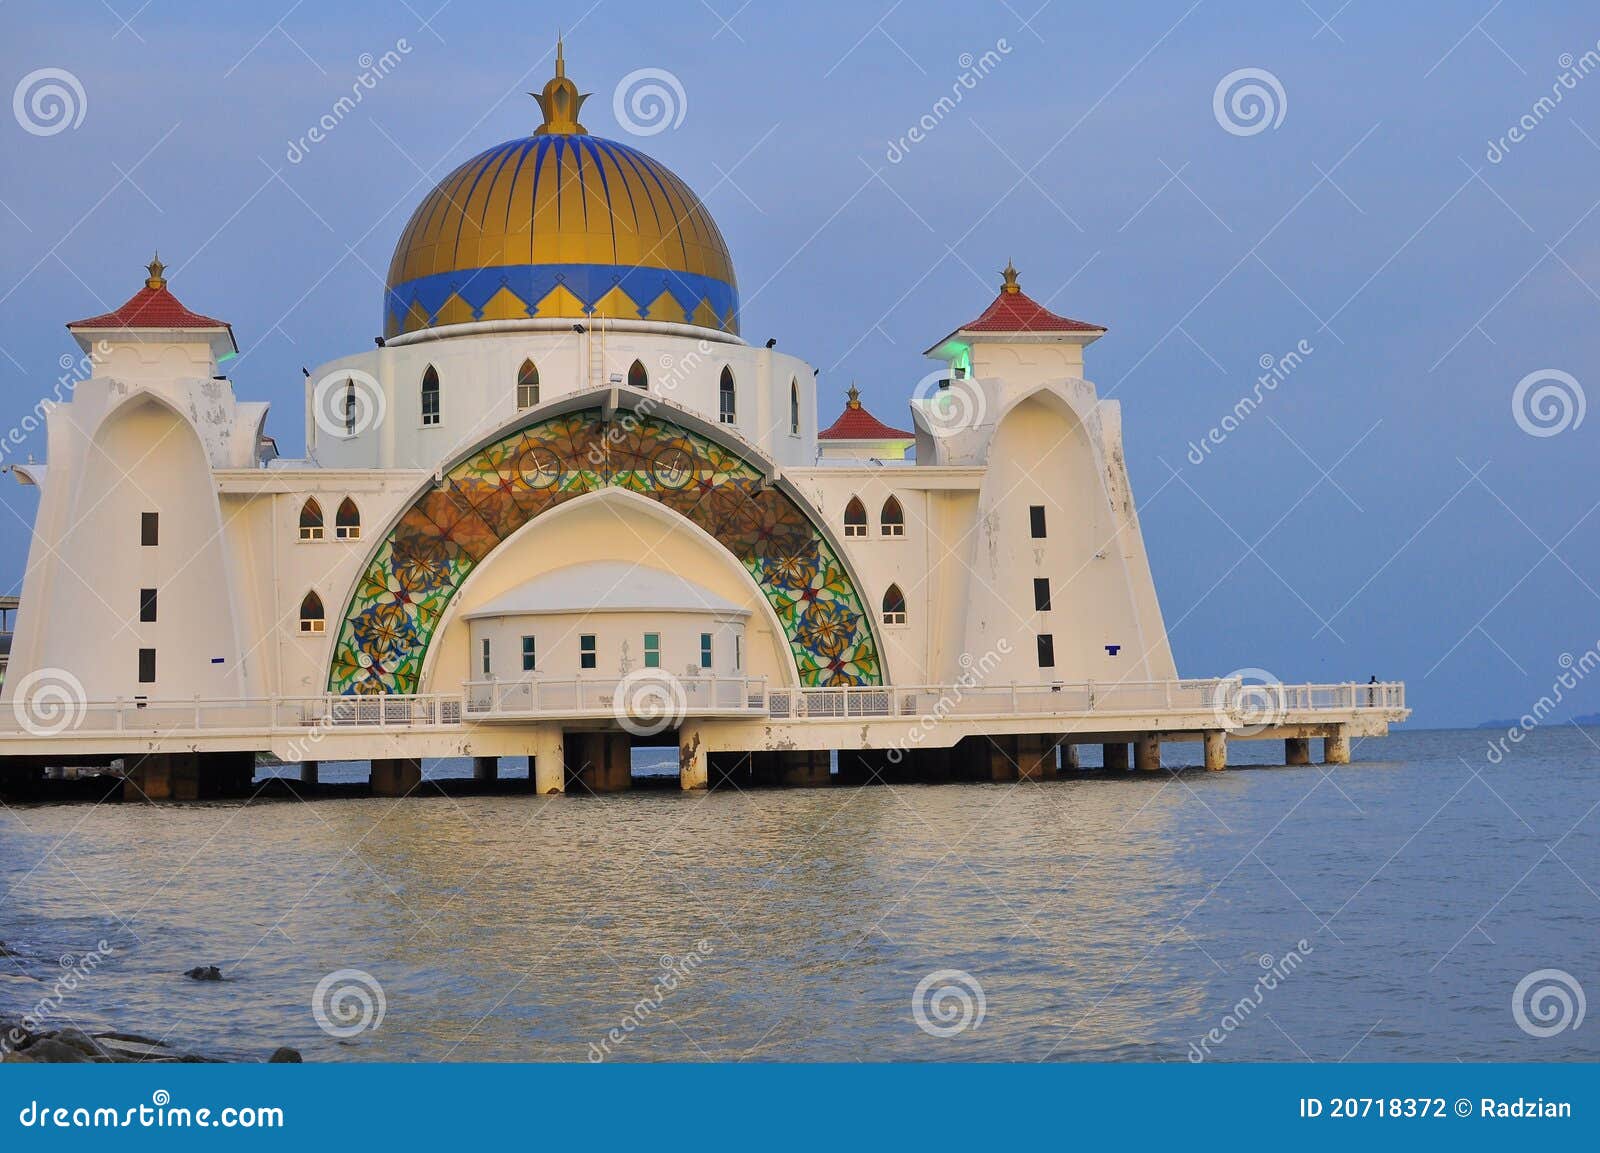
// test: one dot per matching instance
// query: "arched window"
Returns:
(349, 408)
(894, 606)
(727, 402)
(637, 376)
(527, 385)
(892, 521)
(855, 518)
(347, 521)
(311, 614)
(311, 519)
(794, 407)
(430, 396)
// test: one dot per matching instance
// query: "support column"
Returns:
(603, 762)
(1216, 750)
(1069, 757)
(999, 757)
(694, 770)
(547, 762)
(486, 768)
(805, 769)
(1147, 754)
(308, 772)
(162, 777)
(1036, 758)
(1115, 756)
(396, 776)
(1297, 751)
(1336, 749)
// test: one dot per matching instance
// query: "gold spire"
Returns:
(1010, 275)
(855, 396)
(560, 102)
(155, 268)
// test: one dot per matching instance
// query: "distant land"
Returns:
(1585, 719)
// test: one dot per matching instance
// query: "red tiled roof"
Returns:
(1018, 312)
(856, 423)
(151, 308)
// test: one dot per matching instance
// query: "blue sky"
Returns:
(1382, 510)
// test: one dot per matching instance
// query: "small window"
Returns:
(894, 606)
(1036, 520)
(530, 655)
(794, 407)
(527, 385)
(637, 376)
(1041, 594)
(893, 518)
(149, 528)
(347, 521)
(147, 666)
(1047, 651)
(147, 604)
(430, 396)
(855, 518)
(738, 652)
(652, 650)
(488, 659)
(311, 617)
(311, 520)
(705, 650)
(349, 408)
(586, 651)
(727, 401)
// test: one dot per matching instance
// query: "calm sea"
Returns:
(1383, 911)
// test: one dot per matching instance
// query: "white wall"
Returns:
(619, 641)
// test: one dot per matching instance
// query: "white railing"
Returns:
(732, 697)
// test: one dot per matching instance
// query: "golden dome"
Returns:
(561, 224)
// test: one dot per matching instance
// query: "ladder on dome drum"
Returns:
(597, 354)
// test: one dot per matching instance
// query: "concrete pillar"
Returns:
(805, 769)
(162, 777)
(396, 776)
(1297, 751)
(694, 770)
(1336, 749)
(1115, 756)
(1069, 757)
(1216, 750)
(1036, 758)
(308, 772)
(486, 768)
(547, 762)
(601, 762)
(869, 766)
(997, 758)
(1147, 754)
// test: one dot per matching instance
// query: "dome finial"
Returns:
(560, 101)
(1010, 275)
(155, 268)
(855, 396)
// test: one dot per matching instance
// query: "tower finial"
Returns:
(1010, 275)
(155, 268)
(561, 63)
(560, 100)
(855, 396)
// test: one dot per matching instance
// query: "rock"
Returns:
(204, 973)
(285, 1056)
(55, 1052)
(125, 1050)
(81, 1041)
(5, 952)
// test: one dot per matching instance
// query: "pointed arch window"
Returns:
(311, 615)
(637, 376)
(350, 408)
(347, 521)
(892, 521)
(527, 385)
(794, 407)
(311, 519)
(727, 400)
(430, 396)
(894, 606)
(855, 518)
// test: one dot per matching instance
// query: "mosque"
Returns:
(563, 507)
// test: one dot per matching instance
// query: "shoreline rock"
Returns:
(72, 1045)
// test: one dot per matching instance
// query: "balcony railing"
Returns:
(663, 695)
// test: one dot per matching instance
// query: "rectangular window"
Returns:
(488, 664)
(1041, 594)
(147, 666)
(652, 650)
(529, 655)
(1036, 520)
(430, 406)
(738, 652)
(149, 528)
(586, 651)
(705, 650)
(1047, 651)
(147, 604)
